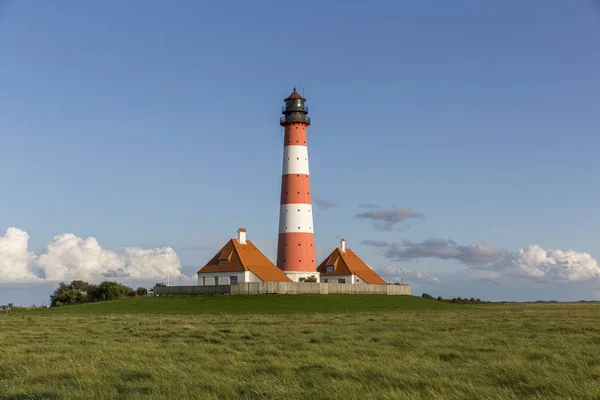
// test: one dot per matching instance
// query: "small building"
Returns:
(6, 308)
(344, 266)
(239, 261)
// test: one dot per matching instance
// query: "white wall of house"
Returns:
(348, 279)
(251, 277)
(208, 278)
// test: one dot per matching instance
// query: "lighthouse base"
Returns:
(295, 276)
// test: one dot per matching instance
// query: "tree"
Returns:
(427, 296)
(73, 293)
(440, 298)
(78, 292)
(80, 285)
(109, 290)
(141, 291)
(93, 293)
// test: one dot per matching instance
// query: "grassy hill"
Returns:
(269, 304)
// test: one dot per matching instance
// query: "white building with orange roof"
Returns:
(344, 266)
(239, 261)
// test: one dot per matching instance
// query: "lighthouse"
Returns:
(296, 243)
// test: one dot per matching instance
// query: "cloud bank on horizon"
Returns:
(69, 257)
(532, 262)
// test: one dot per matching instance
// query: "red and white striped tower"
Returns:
(296, 246)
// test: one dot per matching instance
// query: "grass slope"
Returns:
(270, 304)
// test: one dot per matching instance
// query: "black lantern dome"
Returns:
(294, 110)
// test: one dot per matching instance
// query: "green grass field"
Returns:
(328, 347)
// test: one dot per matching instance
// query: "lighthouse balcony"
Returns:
(294, 118)
(294, 108)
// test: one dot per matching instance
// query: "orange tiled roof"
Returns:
(295, 95)
(348, 263)
(245, 257)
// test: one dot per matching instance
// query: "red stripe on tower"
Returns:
(296, 244)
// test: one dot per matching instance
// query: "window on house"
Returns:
(324, 280)
(225, 256)
(216, 280)
(203, 281)
(233, 280)
(341, 281)
(330, 268)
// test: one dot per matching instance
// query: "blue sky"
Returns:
(148, 124)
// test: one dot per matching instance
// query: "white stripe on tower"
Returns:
(295, 218)
(295, 160)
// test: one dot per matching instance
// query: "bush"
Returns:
(427, 296)
(310, 279)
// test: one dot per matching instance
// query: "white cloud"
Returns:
(15, 259)
(548, 265)
(396, 274)
(69, 257)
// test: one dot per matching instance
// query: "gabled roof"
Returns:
(295, 95)
(348, 263)
(244, 257)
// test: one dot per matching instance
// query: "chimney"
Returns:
(242, 236)
(343, 245)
